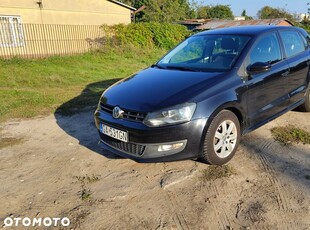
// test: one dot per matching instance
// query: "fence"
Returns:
(38, 40)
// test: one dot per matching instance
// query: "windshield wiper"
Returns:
(181, 68)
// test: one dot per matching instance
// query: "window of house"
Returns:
(11, 31)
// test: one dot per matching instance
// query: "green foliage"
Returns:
(154, 34)
(215, 12)
(246, 16)
(87, 179)
(161, 10)
(37, 87)
(243, 13)
(290, 134)
(221, 12)
(84, 193)
(305, 24)
(203, 12)
(268, 12)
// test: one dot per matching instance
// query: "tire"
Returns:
(306, 106)
(219, 145)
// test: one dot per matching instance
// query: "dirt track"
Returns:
(56, 162)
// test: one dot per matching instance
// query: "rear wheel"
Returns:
(222, 138)
(306, 106)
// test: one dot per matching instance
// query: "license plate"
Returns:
(114, 133)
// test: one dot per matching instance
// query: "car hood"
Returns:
(152, 89)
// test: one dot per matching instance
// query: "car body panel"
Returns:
(155, 88)
(263, 104)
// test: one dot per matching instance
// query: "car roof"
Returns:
(244, 30)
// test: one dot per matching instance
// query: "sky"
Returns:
(252, 6)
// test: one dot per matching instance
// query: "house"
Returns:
(40, 28)
(214, 24)
(67, 12)
(299, 17)
(239, 18)
(191, 24)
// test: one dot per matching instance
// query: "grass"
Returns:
(84, 193)
(38, 87)
(87, 179)
(9, 141)
(214, 172)
(290, 134)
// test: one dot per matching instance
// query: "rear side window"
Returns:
(293, 43)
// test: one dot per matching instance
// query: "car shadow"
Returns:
(76, 117)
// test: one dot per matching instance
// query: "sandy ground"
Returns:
(56, 169)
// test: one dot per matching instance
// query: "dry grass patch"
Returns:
(214, 172)
(10, 141)
(290, 134)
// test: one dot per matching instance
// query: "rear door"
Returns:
(298, 59)
(267, 91)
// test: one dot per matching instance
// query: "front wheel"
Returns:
(222, 139)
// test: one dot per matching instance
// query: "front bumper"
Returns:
(144, 141)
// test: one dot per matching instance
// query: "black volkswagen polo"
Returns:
(204, 94)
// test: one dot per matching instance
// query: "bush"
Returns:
(160, 35)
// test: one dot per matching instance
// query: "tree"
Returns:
(215, 12)
(203, 12)
(268, 12)
(243, 14)
(161, 10)
(128, 2)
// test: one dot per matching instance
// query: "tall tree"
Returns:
(243, 14)
(268, 12)
(162, 10)
(215, 12)
(203, 12)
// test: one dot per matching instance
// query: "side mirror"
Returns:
(258, 67)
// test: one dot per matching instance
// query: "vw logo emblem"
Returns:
(117, 112)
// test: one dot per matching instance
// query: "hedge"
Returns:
(153, 34)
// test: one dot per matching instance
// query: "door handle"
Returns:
(285, 73)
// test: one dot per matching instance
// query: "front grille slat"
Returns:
(127, 147)
(128, 115)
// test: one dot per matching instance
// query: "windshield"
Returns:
(205, 53)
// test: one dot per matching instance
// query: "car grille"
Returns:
(128, 115)
(127, 147)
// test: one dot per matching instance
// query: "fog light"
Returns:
(169, 147)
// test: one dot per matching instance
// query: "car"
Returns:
(200, 98)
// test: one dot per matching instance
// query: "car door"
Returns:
(267, 91)
(298, 59)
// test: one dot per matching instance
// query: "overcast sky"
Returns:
(252, 6)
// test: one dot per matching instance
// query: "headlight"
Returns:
(177, 114)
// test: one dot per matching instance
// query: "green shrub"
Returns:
(149, 35)
(290, 134)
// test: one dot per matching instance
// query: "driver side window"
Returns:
(192, 51)
(266, 50)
